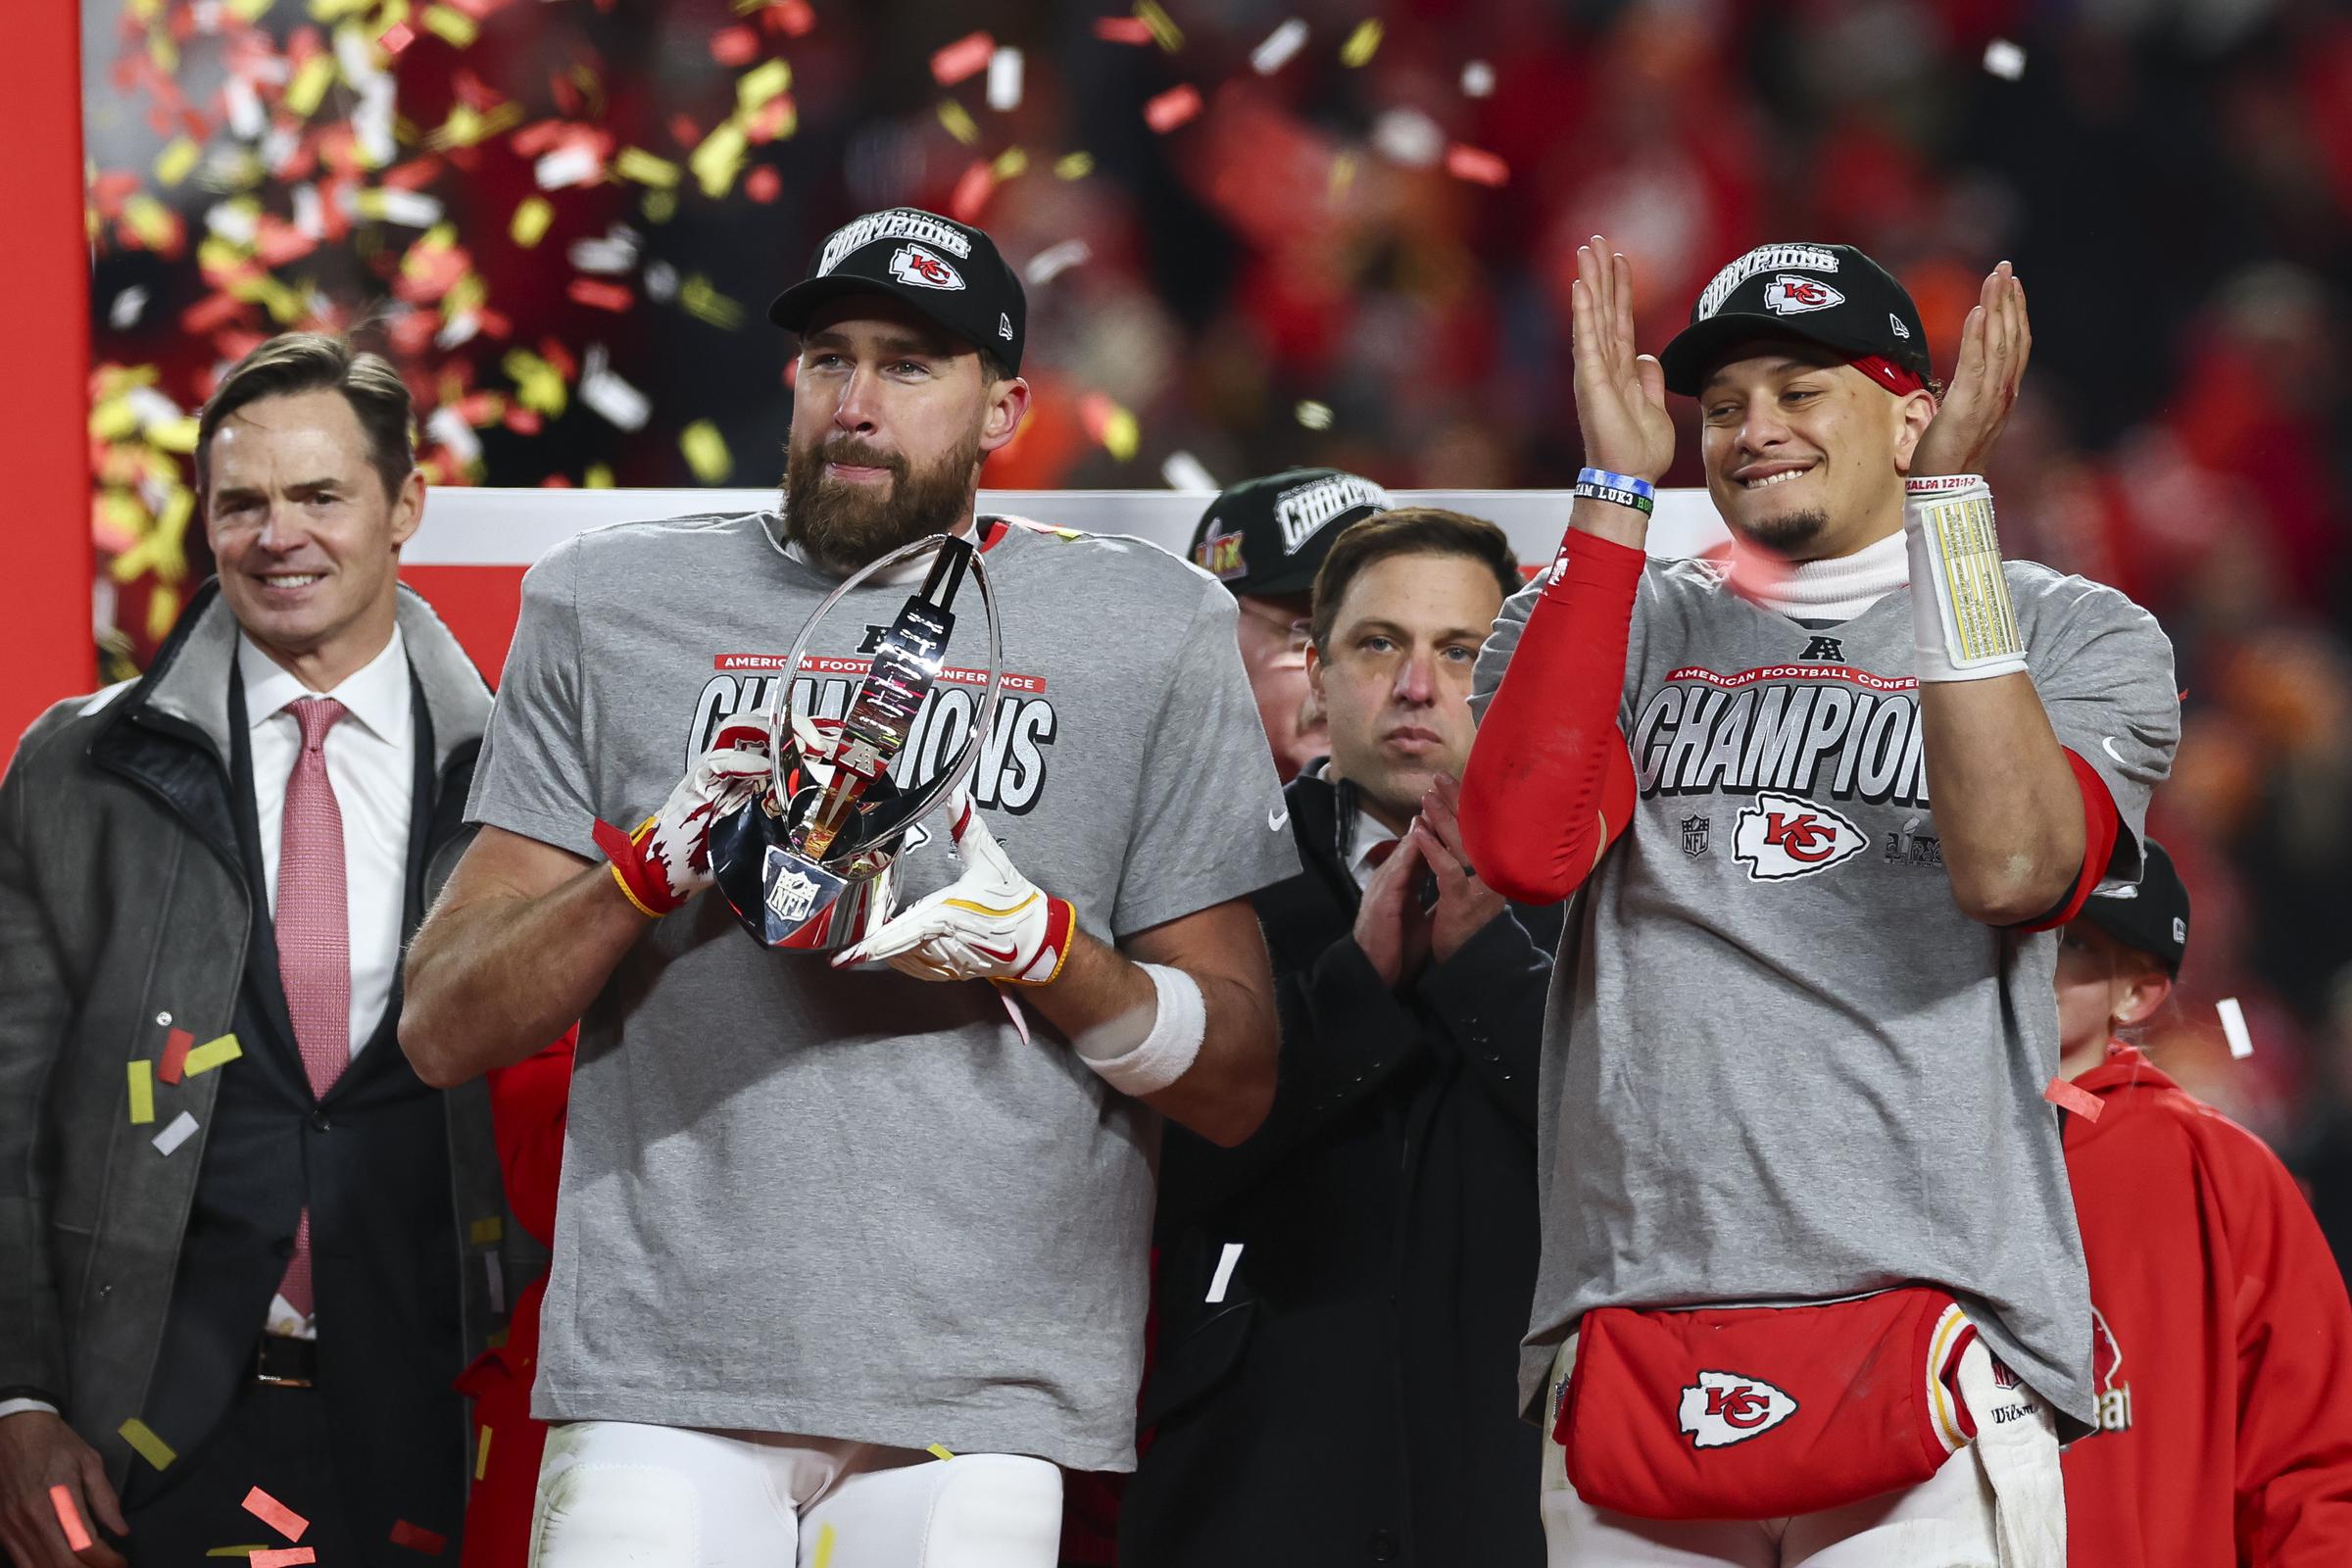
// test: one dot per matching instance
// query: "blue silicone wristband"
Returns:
(1618, 481)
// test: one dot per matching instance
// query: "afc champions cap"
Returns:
(1832, 295)
(949, 272)
(2151, 915)
(1268, 537)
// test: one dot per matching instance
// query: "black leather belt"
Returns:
(282, 1362)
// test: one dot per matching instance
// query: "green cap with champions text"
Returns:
(1832, 295)
(949, 272)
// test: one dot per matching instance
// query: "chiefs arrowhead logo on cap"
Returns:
(1793, 296)
(1725, 1408)
(916, 266)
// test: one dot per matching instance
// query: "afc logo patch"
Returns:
(1783, 836)
(1829, 648)
(1725, 1407)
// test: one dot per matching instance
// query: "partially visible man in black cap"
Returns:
(851, 1257)
(1265, 539)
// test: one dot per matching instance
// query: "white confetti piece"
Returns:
(1230, 1257)
(123, 313)
(310, 211)
(567, 165)
(1051, 262)
(461, 330)
(447, 426)
(2233, 1027)
(609, 395)
(247, 120)
(615, 252)
(1005, 81)
(2004, 60)
(1314, 416)
(1280, 45)
(1183, 472)
(234, 221)
(1478, 79)
(661, 283)
(1410, 137)
(182, 1128)
(413, 209)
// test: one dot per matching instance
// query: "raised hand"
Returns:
(1995, 345)
(1620, 395)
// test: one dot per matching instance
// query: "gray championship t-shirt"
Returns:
(856, 1204)
(1779, 1063)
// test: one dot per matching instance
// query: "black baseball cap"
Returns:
(2152, 916)
(1832, 295)
(948, 270)
(1268, 537)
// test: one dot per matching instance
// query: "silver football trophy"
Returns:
(811, 862)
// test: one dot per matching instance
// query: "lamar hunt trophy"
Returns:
(810, 862)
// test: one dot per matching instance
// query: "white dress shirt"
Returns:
(1369, 834)
(372, 762)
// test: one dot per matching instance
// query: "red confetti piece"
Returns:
(792, 18)
(556, 355)
(1172, 108)
(764, 184)
(284, 1557)
(602, 296)
(397, 37)
(523, 420)
(2067, 1096)
(276, 1514)
(965, 58)
(972, 191)
(769, 123)
(418, 1539)
(177, 1042)
(1478, 167)
(735, 46)
(69, 1519)
(684, 131)
(1122, 29)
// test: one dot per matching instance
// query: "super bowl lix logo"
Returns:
(1725, 1408)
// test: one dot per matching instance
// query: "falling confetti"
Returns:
(1314, 416)
(1162, 28)
(1279, 47)
(706, 452)
(1004, 69)
(1475, 165)
(2004, 60)
(2233, 1027)
(529, 225)
(1123, 30)
(1183, 472)
(1050, 263)
(1168, 110)
(962, 59)
(958, 121)
(1478, 79)
(1362, 44)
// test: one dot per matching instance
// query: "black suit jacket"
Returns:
(1353, 1396)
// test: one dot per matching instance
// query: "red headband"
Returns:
(1888, 375)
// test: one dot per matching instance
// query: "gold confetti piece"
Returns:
(162, 608)
(152, 1449)
(1164, 31)
(149, 220)
(1314, 416)
(172, 164)
(1121, 434)
(635, 163)
(486, 1231)
(142, 1092)
(236, 1552)
(310, 84)
(719, 159)
(1343, 174)
(706, 452)
(824, 1547)
(658, 206)
(958, 121)
(212, 1053)
(174, 435)
(938, 1449)
(529, 225)
(1010, 161)
(451, 24)
(1362, 44)
(1074, 165)
(698, 299)
(754, 87)
(250, 9)
(481, 1455)
(598, 477)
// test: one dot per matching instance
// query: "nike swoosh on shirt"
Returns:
(1277, 820)
(2107, 744)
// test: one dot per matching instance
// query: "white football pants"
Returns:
(615, 1494)
(1950, 1520)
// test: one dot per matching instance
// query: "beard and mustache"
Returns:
(842, 526)
(1787, 535)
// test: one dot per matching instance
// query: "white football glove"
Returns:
(991, 923)
(668, 859)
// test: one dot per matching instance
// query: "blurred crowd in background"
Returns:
(1261, 233)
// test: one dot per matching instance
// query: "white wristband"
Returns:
(1962, 625)
(1180, 1023)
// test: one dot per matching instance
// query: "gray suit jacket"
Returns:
(121, 897)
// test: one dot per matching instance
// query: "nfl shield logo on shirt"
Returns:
(1723, 1407)
(1694, 836)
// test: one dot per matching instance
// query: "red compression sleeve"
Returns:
(2102, 824)
(1550, 782)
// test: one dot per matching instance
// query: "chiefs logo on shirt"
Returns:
(1783, 836)
(1723, 1407)
(2106, 1367)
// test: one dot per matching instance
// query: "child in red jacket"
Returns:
(2222, 1335)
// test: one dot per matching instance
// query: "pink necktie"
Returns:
(313, 936)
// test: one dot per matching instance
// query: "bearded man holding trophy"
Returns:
(851, 1243)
